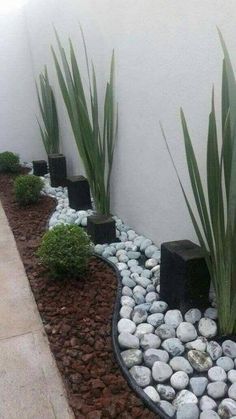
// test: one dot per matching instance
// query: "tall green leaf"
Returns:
(215, 223)
(95, 146)
(49, 128)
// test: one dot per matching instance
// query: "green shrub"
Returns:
(9, 162)
(65, 250)
(27, 189)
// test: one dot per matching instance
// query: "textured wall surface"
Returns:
(18, 127)
(167, 55)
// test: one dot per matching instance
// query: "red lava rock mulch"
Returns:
(77, 316)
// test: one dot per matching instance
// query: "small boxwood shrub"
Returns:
(65, 250)
(27, 189)
(9, 162)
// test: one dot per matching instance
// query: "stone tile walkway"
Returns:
(30, 383)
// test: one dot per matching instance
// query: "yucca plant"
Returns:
(95, 144)
(215, 225)
(47, 104)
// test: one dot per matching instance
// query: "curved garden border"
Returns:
(136, 402)
(115, 318)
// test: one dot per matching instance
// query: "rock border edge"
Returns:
(125, 372)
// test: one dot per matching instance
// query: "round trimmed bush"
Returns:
(27, 189)
(65, 250)
(9, 162)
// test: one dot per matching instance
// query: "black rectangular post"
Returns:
(78, 193)
(184, 276)
(57, 169)
(101, 229)
(40, 167)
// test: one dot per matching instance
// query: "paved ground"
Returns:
(30, 384)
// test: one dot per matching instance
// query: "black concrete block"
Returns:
(57, 169)
(40, 167)
(101, 229)
(79, 193)
(184, 276)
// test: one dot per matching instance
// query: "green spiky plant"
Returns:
(95, 144)
(47, 104)
(215, 225)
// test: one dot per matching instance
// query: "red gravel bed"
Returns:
(77, 316)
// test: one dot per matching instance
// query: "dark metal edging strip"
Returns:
(115, 318)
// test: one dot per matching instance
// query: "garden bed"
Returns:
(169, 358)
(77, 315)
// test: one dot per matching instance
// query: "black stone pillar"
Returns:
(101, 229)
(79, 193)
(184, 276)
(40, 167)
(57, 169)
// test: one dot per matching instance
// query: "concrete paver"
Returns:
(30, 384)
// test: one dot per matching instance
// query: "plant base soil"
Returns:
(77, 316)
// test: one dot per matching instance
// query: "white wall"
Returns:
(18, 130)
(167, 55)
